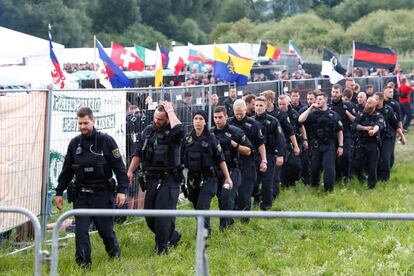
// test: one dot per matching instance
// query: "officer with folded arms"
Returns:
(159, 151)
(92, 157)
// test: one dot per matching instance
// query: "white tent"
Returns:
(21, 48)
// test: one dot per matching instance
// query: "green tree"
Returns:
(393, 29)
(240, 31)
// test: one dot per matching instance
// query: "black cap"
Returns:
(202, 113)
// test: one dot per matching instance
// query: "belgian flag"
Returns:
(267, 50)
(371, 56)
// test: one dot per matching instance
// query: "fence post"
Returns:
(201, 257)
(37, 232)
(45, 177)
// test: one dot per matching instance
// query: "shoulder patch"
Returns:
(219, 148)
(116, 153)
(340, 123)
(244, 138)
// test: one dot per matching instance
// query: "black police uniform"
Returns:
(291, 169)
(366, 151)
(288, 131)
(201, 157)
(228, 104)
(305, 154)
(135, 124)
(322, 133)
(92, 159)
(160, 152)
(397, 111)
(249, 167)
(387, 142)
(298, 107)
(227, 196)
(343, 163)
(275, 147)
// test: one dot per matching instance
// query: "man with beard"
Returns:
(361, 101)
(346, 114)
(367, 126)
(234, 143)
(387, 137)
(249, 100)
(275, 151)
(91, 158)
(325, 128)
(160, 152)
(253, 132)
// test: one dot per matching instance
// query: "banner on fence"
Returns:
(22, 132)
(110, 116)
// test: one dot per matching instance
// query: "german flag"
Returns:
(371, 56)
(267, 50)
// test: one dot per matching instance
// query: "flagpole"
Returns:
(353, 57)
(94, 59)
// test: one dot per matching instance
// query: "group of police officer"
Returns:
(240, 158)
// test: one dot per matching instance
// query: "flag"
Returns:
(331, 67)
(109, 72)
(58, 78)
(165, 53)
(293, 49)
(234, 52)
(146, 55)
(267, 50)
(371, 56)
(176, 63)
(197, 56)
(231, 68)
(126, 59)
(158, 81)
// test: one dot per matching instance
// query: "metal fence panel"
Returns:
(22, 150)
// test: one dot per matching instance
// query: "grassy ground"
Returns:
(282, 247)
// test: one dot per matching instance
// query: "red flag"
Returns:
(180, 65)
(126, 59)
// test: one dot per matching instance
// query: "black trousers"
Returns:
(201, 194)
(366, 155)
(248, 181)
(291, 169)
(306, 166)
(343, 163)
(266, 179)
(226, 197)
(162, 194)
(384, 164)
(406, 114)
(104, 225)
(323, 158)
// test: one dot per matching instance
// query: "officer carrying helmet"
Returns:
(92, 157)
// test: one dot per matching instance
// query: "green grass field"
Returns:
(273, 247)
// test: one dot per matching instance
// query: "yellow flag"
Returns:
(158, 68)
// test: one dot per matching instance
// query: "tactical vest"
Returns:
(198, 153)
(231, 154)
(323, 129)
(363, 136)
(90, 165)
(158, 152)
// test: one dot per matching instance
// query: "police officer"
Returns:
(92, 157)
(202, 153)
(249, 175)
(306, 167)
(389, 101)
(293, 165)
(228, 102)
(160, 152)
(275, 151)
(287, 128)
(391, 127)
(346, 112)
(367, 126)
(234, 143)
(324, 128)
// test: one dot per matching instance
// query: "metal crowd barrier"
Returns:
(201, 255)
(38, 235)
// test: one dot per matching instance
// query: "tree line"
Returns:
(312, 24)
